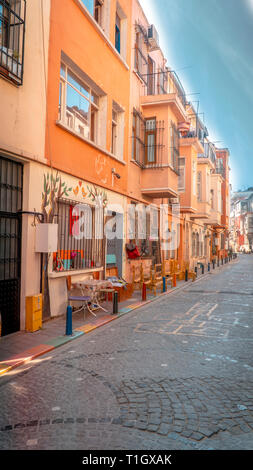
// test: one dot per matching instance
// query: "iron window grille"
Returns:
(81, 239)
(12, 38)
(147, 141)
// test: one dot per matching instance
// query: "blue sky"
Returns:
(209, 43)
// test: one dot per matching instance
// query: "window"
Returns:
(12, 34)
(114, 131)
(117, 33)
(194, 177)
(193, 244)
(174, 139)
(95, 9)
(212, 198)
(80, 245)
(199, 186)
(181, 179)
(151, 77)
(162, 82)
(150, 140)
(78, 105)
(120, 26)
(118, 126)
(138, 127)
(140, 59)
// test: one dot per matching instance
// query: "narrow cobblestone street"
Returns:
(175, 374)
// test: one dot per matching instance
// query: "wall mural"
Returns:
(98, 196)
(54, 188)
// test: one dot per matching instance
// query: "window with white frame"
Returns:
(78, 104)
(199, 186)
(212, 198)
(181, 178)
(194, 170)
(120, 31)
(95, 8)
(117, 136)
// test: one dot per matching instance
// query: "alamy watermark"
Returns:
(140, 222)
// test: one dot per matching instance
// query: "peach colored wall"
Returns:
(22, 129)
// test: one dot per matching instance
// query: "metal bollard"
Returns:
(186, 275)
(144, 292)
(115, 302)
(69, 321)
(164, 284)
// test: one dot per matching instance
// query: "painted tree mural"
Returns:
(54, 189)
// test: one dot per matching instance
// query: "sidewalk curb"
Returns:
(31, 354)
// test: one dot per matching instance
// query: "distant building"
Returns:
(241, 229)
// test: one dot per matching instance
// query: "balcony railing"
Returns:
(221, 171)
(163, 83)
(12, 36)
(197, 130)
(209, 152)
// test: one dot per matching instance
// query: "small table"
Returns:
(94, 286)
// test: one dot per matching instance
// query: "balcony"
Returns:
(164, 88)
(221, 171)
(159, 163)
(209, 153)
(12, 36)
(193, 132)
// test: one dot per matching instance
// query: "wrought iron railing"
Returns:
(196, 130)
(209, 152)
(12, 37)
(221, 171)
(162, 83)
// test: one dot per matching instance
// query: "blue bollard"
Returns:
(69, 321)
(164, 284)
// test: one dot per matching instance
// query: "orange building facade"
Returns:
(114, 146)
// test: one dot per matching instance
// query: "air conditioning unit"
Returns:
(153, 38)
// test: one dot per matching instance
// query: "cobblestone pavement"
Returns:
(175, 374)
